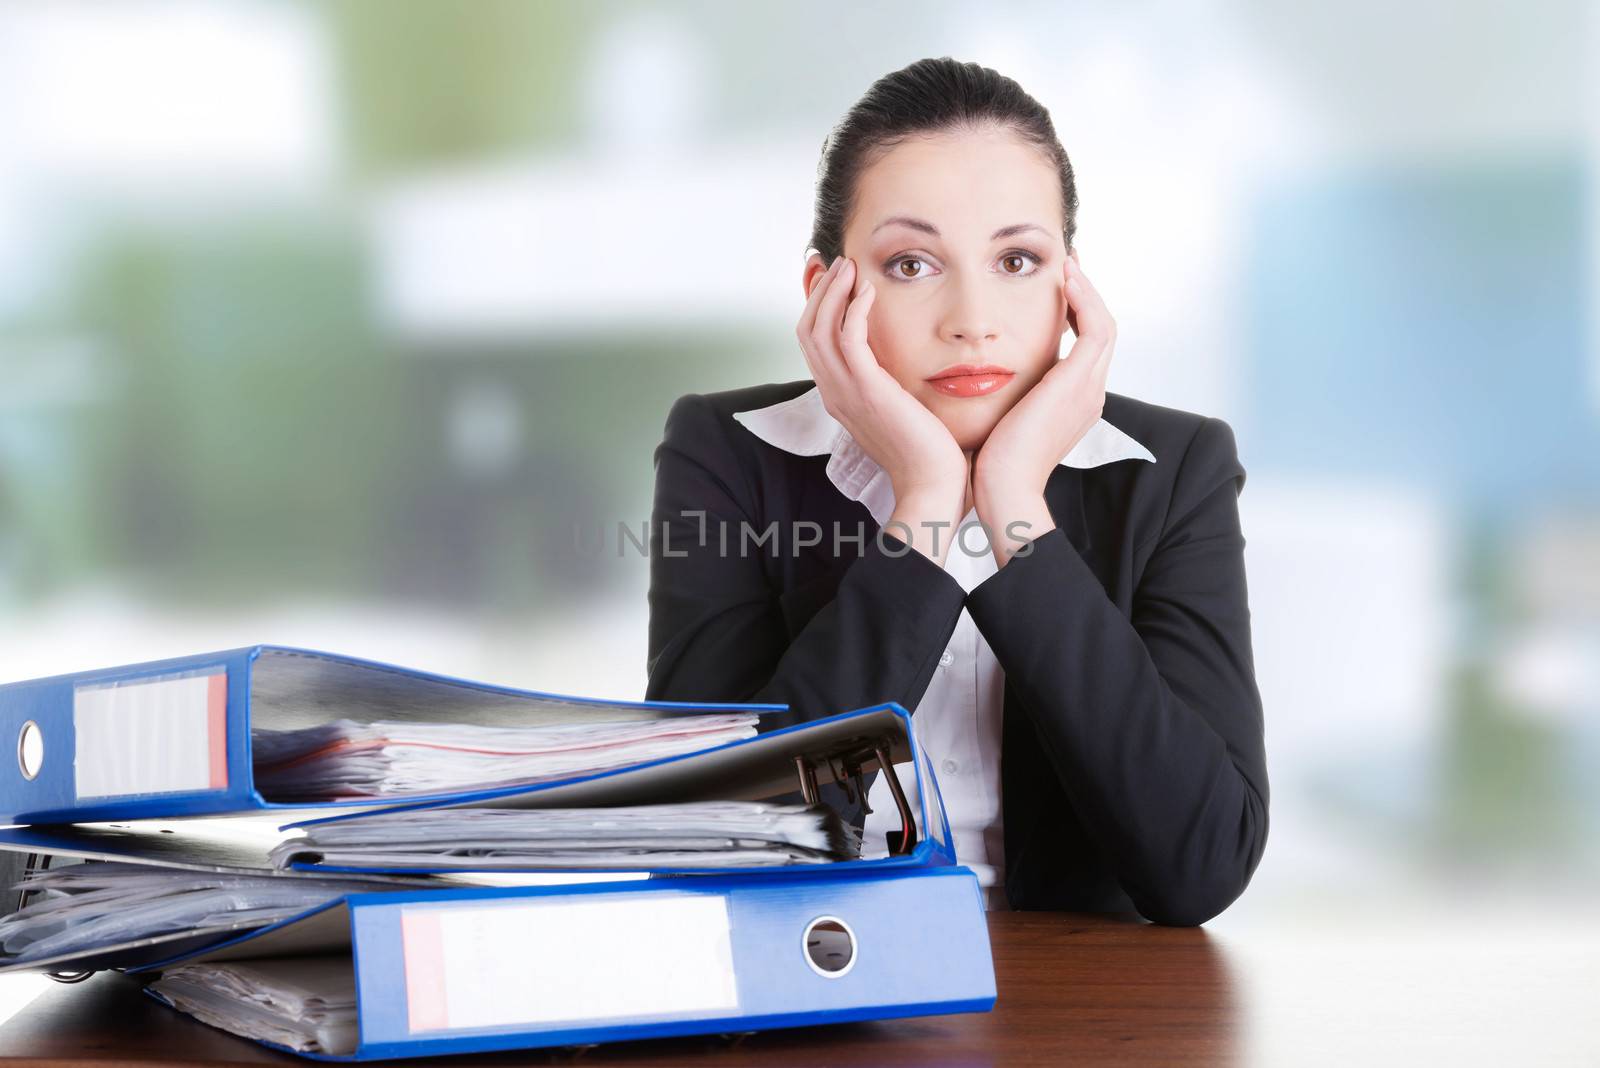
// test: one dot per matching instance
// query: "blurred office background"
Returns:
(337, 324)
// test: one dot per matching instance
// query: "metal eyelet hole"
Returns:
(830, 947)
(30, 749)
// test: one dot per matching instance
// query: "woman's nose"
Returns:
(969, 316)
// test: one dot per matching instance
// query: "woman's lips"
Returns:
(969, 380)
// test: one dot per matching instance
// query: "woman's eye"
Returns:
(1014, 264)
(1022, 258)
(900, 269)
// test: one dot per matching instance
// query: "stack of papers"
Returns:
(710, 834)
(101, 903)
(346, 759)
(305, 1003)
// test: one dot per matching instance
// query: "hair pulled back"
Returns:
(927, 98)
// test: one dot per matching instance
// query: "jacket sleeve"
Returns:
(1154, 723)
(718, 629)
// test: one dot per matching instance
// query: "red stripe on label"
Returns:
(217, 729)
(422, 947)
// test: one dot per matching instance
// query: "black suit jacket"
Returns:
(1133, 773)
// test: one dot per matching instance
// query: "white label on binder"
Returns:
(567, 960)
(153, 736)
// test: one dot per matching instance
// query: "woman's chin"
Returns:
(970, 434)
(969, 419)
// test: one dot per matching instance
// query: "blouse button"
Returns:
(950, 767)
(947, 658)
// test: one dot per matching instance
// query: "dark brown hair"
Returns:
(931, 96)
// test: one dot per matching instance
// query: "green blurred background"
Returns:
(332, 324)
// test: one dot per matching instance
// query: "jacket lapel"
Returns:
(1063, 495)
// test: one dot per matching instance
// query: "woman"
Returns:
(950, 515)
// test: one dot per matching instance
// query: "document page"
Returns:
(305, 1003)
(344, 759)
(716, 834)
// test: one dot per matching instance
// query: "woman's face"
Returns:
(961, 234)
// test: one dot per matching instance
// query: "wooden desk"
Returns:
(1072, 988)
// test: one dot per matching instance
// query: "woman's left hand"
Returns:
(1016, 460)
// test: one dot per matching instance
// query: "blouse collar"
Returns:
(802, 425)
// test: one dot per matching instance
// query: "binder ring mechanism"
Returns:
(847, 770)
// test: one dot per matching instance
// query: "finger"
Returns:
(1090, 345)
(808, 317)
(1069, 315)
(1102, 369)
(853, 337)
(1102, 360)
(813, 364)
(1094, 319)
(822, 360)
(1066, 302)
(1085, 348)
(1082, 360)
(830, 314)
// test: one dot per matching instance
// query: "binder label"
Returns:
(595, 958)
(154, 736)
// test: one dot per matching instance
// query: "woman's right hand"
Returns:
(928, 469)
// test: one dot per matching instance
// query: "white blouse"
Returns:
(958, 719)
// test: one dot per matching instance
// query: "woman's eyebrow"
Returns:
(933, 231)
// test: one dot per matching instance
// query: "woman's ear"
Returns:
(815, 268)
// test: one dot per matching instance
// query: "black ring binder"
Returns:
(851, 757)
